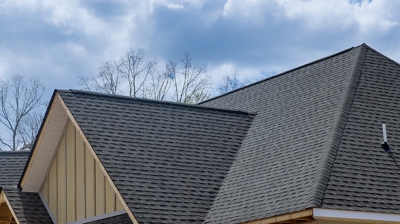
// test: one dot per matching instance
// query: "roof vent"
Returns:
(385, 146)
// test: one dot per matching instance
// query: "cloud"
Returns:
(59, 40)
(341, 14)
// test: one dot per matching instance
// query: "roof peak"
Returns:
(363, 45)
(341, 121)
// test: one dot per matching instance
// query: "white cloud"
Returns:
(341, 13)
(72, 17)
(317, 14)
(177, 4)
(246, 74)
(3, 67)
(253, 11)
(18, 5)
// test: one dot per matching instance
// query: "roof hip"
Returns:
(341, 121)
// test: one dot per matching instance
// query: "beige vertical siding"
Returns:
(76, 187)
(80, 178)
(90, 185)
(61, 183)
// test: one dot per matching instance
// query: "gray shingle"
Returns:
(28, 207)
(363, 177)
(11, 167)
(168, 160)
(285, 160)
(120, 219)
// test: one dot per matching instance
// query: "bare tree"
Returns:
(191, 83)
(136, 70)
(160, 83)
(29, 128)
(142, 78)
(18, 102)
(231, 82)
(108, 80)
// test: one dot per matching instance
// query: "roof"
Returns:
(167, 160)
(28, 207)
(12, 165)
(307, 138)
(315, 141)
(120, 219)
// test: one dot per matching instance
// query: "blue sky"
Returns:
(57, 41)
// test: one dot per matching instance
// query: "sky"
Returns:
(57, 41)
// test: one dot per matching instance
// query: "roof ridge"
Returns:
(15, 152)
(156, 101)
(280, 74)
(339, 125)
(372, 49)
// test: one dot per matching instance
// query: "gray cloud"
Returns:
(58, 41)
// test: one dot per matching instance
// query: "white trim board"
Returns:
(334, 214)
(94, 218)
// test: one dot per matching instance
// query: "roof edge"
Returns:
(155, 101)
(4, 197)
(49, 107)
(279, 74)
(14, 152)
(352, 216)
(341, 122)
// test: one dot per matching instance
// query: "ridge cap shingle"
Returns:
(161, 102)
(340, 124)
(282, 73)
(15, 152)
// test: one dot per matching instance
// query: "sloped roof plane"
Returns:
(167, 160)
(315, 140)
(26, 207)
(12, 165)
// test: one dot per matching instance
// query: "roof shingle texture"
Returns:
(363, 176)
(120, 219)
(167, 160)
(28, 207)
(284, 162)
(11, 166)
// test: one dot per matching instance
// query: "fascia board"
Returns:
(335, 214)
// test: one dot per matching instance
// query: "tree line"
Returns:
(183, 81)
(186, 81)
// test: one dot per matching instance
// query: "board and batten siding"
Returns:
(76, 187)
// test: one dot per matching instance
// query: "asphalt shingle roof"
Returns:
(309, 139)
(363, 177)
(315, 140)
(28, 207)
(167, 160)
(11, 166)
(120, 219)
